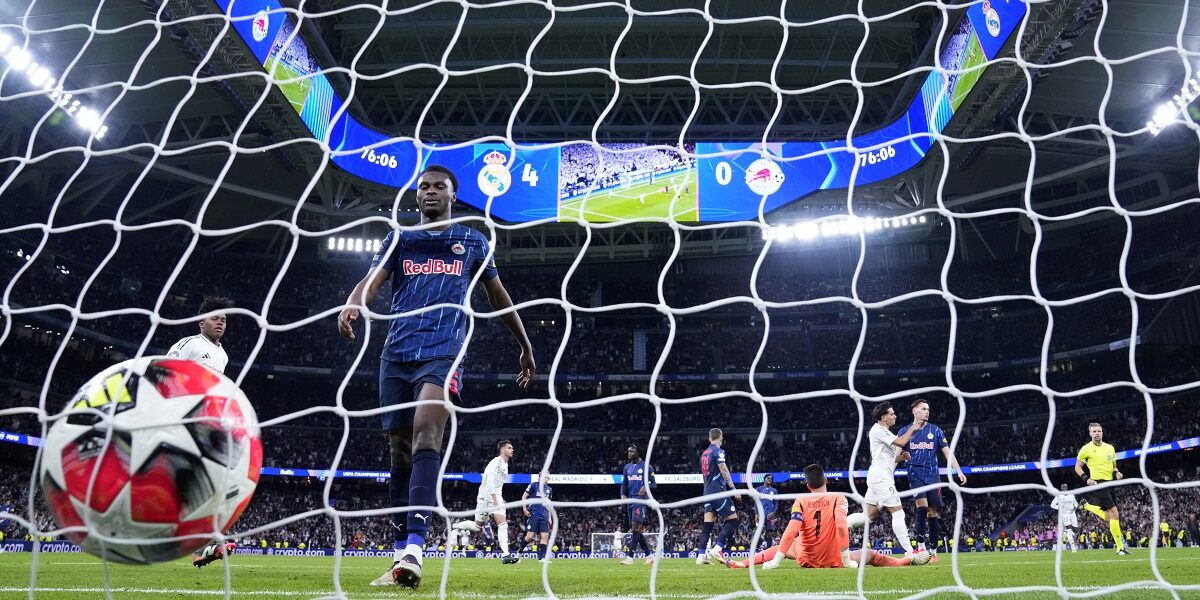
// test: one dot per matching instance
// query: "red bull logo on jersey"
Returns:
(920, 445)
(433, 267)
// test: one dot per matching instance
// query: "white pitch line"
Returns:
(476, 595)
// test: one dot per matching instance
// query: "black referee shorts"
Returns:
(1102, 498)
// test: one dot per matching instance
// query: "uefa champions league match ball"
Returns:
(150, 460)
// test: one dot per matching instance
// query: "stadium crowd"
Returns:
(304, 365)
(583, 168)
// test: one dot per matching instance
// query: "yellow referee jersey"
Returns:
(1100, 460)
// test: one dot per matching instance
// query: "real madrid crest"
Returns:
(494, 178)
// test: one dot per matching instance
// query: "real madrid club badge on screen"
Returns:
(764, 177)
(991, 19)
(494, 178)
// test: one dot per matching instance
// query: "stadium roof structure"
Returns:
(820, 49)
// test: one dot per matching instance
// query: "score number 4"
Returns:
(529, 175)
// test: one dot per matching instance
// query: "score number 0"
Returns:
(724, 173)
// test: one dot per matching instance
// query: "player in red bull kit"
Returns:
(716, 480)
(769, 506)
(923, 447)
(637, 481)
(427, 267)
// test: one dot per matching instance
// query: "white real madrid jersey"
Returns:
(202, 350)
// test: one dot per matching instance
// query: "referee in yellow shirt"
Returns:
(1101, 461)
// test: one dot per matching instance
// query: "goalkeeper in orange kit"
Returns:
(818, 535)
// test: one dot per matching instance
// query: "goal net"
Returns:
(767, 217)
(616, 544)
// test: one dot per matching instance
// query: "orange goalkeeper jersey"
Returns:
(823, 530)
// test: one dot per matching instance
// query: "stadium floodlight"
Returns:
(922, 218)
(807, 231)
(784, 233)
(1166, 113)
(20, 59)
(40, 76)
(341, 244)
(332, 241)
(377, 245)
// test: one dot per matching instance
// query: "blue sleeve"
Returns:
(488, 263)
(941, 441)
(392, 260)
(902, 431)
(650, 477)
(624, 481)
(529, 490)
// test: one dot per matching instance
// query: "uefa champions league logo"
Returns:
(494, 178)
(258, 27)
(764, 177)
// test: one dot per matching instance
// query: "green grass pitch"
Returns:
(297, 91)
(966, 81)
(82, 576)
(641, 201)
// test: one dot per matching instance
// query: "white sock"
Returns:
(901, 530)
(416, 551)
(397, 554)
(502, 536)
(856, 520)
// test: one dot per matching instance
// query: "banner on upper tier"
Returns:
(572, 180)
(671, 478)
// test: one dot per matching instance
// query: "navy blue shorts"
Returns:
(771, 523)
(637, 513)
(934, 496)
(723, 507)
(537, 524)
(401, 382)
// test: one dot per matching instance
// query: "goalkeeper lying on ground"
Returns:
(818, 534)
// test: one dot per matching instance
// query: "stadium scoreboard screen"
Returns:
(705, 182)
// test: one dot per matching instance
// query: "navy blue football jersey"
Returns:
(768, 499)
(923, 448)
(714, 482)
(541, 490)
(429, 268)
(636, 476)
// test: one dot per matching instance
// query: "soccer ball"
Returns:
(153, 457)
(921, 557)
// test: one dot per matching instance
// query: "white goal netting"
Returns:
(1018, 297)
